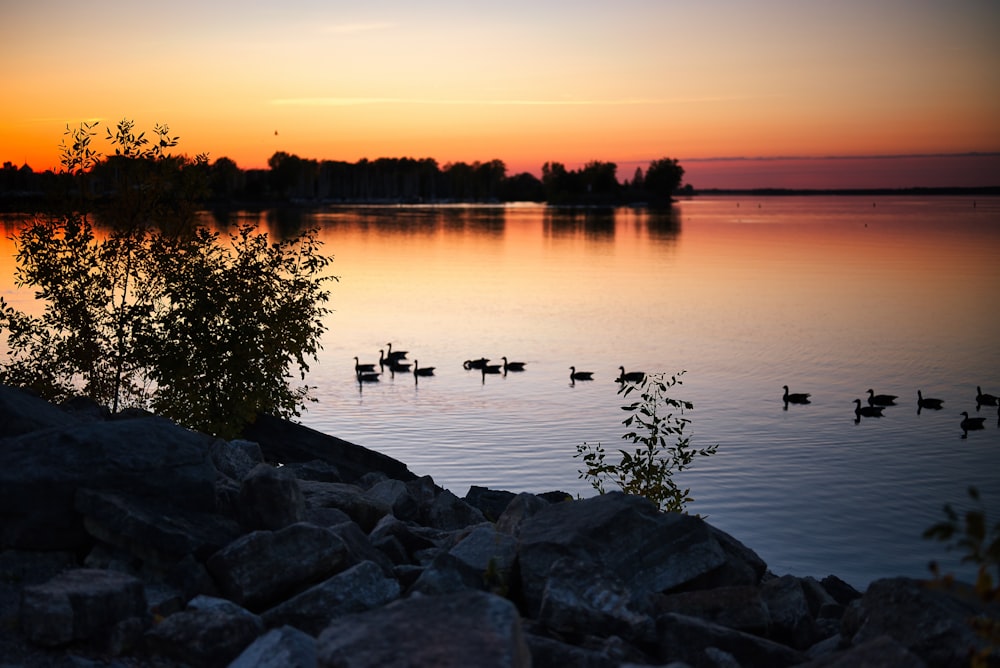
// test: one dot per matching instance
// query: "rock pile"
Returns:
(132, 540)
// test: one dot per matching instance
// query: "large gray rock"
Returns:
(792, 621)
(236, 458)
(882, 652)
(22, 413)
(625, 535)
(286, 442)
(270, 498)
(699, 642)
(490, 554)
(458, 630)
(739, 608)
(80, 604)
(928, 619)
(357, 589)
(285, 647)
(40, 473)
(264, 567)
(209, 633)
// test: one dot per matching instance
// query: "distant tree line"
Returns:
(292, 179)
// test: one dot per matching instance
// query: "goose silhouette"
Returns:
(491, 368)
(933, 404)
(422, 371)
(867, 411)
(368, 376)
(394, 354)
(630, 377)
(580, 375)
(360, 368)
(512, 366)
(984, 399)
(971, 423)
(795, 397)
(475, 364)
(881, 399)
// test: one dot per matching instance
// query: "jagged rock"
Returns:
(285, 647)
(445, 574)
(465, 629)
(286, 442)
(520, 508)
(929, 620)
(791, 621)
(23, 413)
(153, 530)
(270, 498)
(316, 470)
(490, 502)
(548, 652)
(739, 608)
(40, 473)
(626, 535)
(236, 458)
(581, 600)
(402, 540)
(491, 554)
(262, 567)
(841, 592)
(881, 652)
(348, 498)
(683, 638)
(394, 496)
(448, 512)
(327, 517)
(209, 633)
(357, 589)
(80, 604)
(359, 547)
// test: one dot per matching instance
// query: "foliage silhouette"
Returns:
(149, 308)
(649, 469)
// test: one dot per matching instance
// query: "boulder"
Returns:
(285, 442)
(459, 630)
(448, 512)
(882, 652)
(699, 643)
(236, 458)
(23, 413)
(285, 647)
(394, 496)
(40, 473)
(357, 589)
(738, 608)
(520, 508)
(491, 555)
(264, 567)
(210, 632)
(270, 498)
(791, 620)
(624, 535)
(490, 502)
(80, 605)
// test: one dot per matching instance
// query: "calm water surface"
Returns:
(828, 295)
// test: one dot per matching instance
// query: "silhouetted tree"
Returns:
(663, 178)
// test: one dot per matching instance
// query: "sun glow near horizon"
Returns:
(524, 84)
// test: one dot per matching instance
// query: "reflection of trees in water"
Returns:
(591, 222)
(663, 223)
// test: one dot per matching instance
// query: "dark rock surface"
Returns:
(136, 542)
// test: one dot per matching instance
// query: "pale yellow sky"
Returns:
(523, 82)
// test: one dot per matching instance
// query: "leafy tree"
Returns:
(150, 308)
(648, 470)
(663, 178)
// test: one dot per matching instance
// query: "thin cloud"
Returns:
(356, 101)
(352, 28)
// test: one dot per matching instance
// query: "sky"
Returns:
(769, 93)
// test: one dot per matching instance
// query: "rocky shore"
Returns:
(129, 541)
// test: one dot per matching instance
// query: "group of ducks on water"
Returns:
(879, 402)
(396, 362)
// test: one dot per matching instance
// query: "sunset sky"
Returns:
(897, 92)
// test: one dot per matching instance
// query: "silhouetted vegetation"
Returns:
(150, 309)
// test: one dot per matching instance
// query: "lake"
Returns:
(829, 295)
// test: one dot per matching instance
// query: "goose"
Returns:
(398, 367)
(394, 354)
(934, 404)
(491, 368)
(368, 376)
(881, 399)
(867, 411)
(580, 375)
(630, 377)
(425, 371)
(985, 399)
(796, 397)
(359, 368)
(475, 364)
(971, 423)
(512, 366)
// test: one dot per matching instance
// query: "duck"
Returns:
(512, 366)
(881, 399)
(360, 368)
(934, 404)
(630, 377)
(580, 375)
(796, 397)
(985, 399)
(475, 364)
(394, 354)
(867, 411)
(422, 371)
(971, 423)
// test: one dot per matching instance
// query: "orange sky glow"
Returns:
(526, 82)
